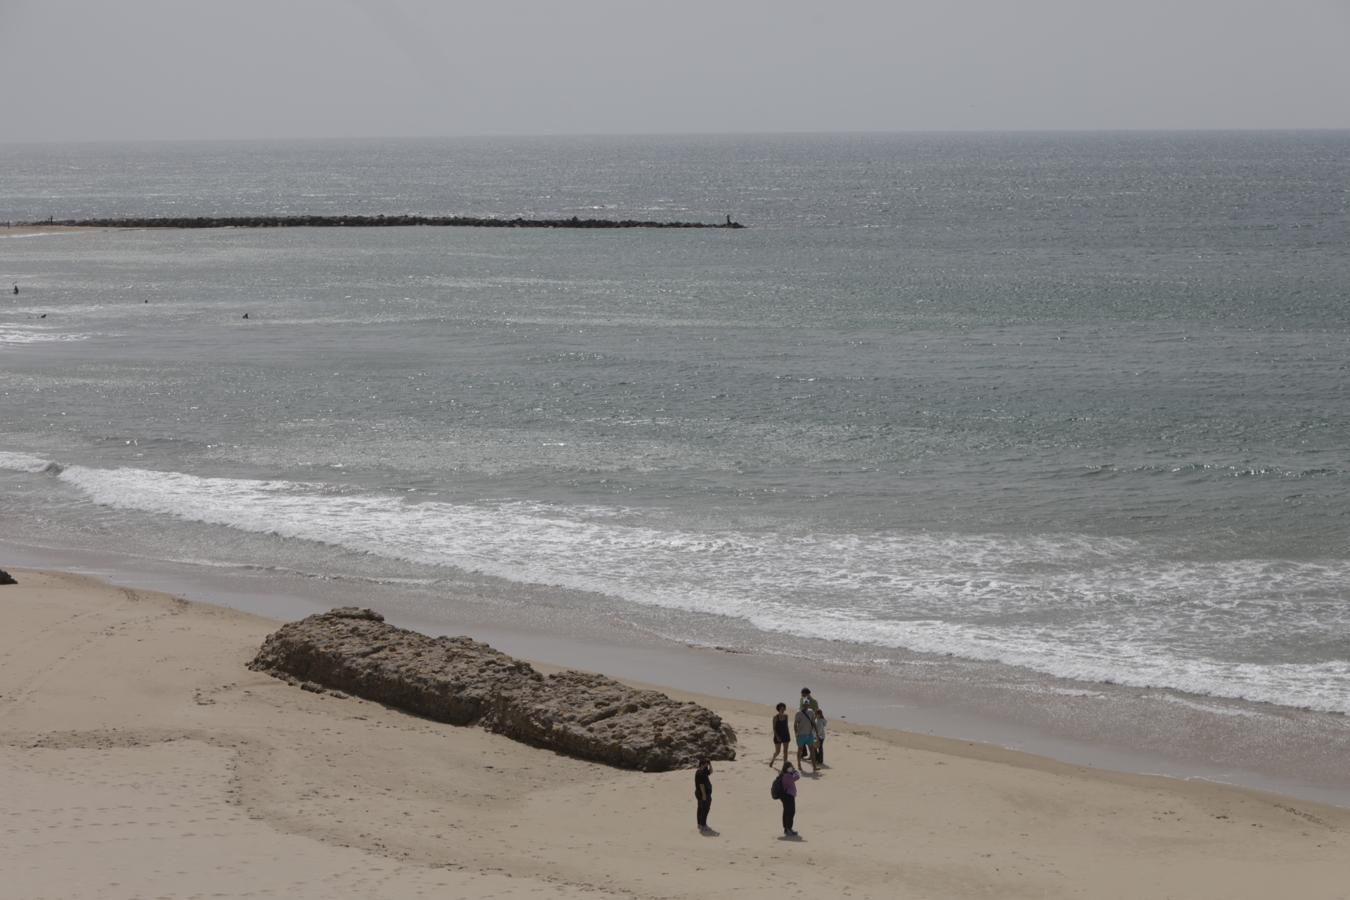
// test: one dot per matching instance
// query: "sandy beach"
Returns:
(143, 759)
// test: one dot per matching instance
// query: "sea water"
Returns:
(1075, 405)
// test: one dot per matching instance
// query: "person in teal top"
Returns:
(804, 725)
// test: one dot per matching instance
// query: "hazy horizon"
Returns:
(77, 70)
(664, 134)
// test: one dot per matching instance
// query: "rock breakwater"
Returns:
(464, 682)
(380, 221)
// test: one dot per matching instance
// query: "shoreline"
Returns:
(145, 759)
(1143, 732)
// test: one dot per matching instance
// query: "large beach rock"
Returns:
(462, 681)
(6, 578)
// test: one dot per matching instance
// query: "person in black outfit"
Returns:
(703, 792)
(781, 738)
(819, 723)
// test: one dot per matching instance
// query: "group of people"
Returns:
(809, 727)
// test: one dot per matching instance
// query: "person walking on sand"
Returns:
(781, 738)
(804, 727)
(788, 797)
(703, 792)
(807, 700)
(819, 722)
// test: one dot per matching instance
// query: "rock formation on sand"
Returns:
(462, 681)
(6, 578)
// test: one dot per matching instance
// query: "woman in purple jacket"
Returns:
(789, 777)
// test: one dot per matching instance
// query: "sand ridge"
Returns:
(144, 760)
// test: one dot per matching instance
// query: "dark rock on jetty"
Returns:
(463, 682)
(376, 222)
(6, 578)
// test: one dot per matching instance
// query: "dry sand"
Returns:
(141, 759)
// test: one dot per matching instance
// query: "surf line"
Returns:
(379, 221)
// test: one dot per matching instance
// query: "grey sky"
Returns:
(114, 69)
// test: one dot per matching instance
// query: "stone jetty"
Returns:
(464, 682)
(380, 221)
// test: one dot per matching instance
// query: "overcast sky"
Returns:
(116, 69)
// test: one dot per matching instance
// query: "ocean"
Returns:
(1072, 407)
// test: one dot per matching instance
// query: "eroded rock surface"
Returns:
(463, 682)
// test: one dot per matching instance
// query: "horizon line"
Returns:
(672, 134)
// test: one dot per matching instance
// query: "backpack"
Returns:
(776, 789)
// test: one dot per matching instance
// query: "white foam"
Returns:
(1079, 607)
(19, 335)
(1213, 708)
(22, 462)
